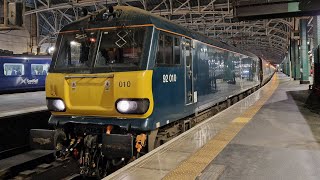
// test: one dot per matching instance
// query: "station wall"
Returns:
(19, 41)
(15, 40)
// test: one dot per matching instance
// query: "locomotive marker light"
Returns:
(109, 13)
(56, 105)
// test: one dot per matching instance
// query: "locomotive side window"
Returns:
(13, 69)
(168, 50)
(39, 69)
(160, 53)
(176, 51)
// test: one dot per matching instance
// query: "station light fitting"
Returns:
(51, 49)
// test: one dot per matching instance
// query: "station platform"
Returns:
(268, 135)
(22, 103)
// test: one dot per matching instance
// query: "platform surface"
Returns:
(268, 135)
(280, 142)
(22, 103)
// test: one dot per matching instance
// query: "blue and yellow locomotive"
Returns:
(124, 81)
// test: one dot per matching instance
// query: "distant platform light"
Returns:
(51, 49)
(73, 43)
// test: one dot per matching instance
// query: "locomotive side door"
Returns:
(188, 63)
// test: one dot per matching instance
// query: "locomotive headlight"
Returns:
(123, 106)
(56, 105)
(132, 106)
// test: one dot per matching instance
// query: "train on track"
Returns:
(23, 72)
(125, 81)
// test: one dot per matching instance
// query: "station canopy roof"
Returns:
(267, 38)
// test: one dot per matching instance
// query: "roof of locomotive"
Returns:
(135, 16)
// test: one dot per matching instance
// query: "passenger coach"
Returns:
(18, 72)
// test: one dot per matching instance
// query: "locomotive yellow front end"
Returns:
(101, 73)
(119, 95)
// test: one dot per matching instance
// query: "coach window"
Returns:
(39, 69)
(13, 69)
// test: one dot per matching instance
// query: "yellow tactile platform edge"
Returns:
(197, 162)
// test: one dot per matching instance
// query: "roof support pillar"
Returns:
(292, 58)
(284, 66)
(288, 67)
(296, 60)
(304, 53)
(316, 55)
(316, 31)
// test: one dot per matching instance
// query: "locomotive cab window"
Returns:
(168, 50)
(76, 50)
(121, 49)
(13, 69)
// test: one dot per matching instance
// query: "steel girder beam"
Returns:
(185, 8)
(213, 19)
(220, 24)
(74, 4)
(51, 18)
(236, 26)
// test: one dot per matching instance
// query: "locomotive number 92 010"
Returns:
(168, 78)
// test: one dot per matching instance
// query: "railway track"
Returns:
(38, 164)
(14, 131)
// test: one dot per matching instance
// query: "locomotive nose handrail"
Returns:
(106, 76)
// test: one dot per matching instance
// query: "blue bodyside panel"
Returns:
(169, 95)
(217, 75)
